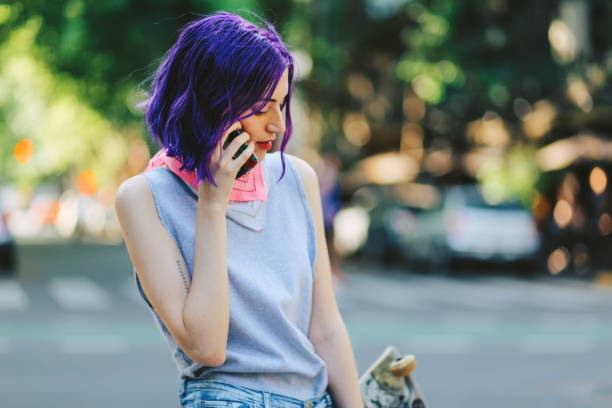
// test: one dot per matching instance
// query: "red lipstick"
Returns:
(265, 145)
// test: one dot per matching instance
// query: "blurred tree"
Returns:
(44, 109)
(423, 76)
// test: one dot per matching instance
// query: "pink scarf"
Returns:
(249, 187)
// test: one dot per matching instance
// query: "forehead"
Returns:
(282, 87)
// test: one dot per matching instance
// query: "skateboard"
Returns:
(388, 382)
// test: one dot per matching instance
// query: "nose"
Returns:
(276, 123)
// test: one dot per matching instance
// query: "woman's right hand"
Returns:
(224, 173)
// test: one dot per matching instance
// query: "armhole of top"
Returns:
(163, 218)
(309, 217)
(169, 227)
(141, 290)
(160, 211)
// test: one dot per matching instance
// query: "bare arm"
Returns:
(196, 313)
(327, 330)
(206, 311)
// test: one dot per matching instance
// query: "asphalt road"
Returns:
(73, 333)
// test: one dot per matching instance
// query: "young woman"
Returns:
(235, 271)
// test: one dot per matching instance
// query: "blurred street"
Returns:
(74, 333)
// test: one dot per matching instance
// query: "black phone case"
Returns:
(253, 160)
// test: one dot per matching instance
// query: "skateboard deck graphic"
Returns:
(387, 382)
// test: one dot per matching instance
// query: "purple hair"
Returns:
(220, 66)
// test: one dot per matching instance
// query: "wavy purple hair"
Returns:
(220, 66)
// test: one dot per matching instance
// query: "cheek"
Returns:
(252, 126)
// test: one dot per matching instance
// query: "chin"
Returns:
(260, 155)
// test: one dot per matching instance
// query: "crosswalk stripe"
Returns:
(92, 345)
(438, 344)
(462, 318)
(547, 344)
(12, 296)
(79, 294)
(579, 323)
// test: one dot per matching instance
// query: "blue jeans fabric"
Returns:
(217, 394)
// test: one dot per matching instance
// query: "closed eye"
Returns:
(282, 106)
(263, 110)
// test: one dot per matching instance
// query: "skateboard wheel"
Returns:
(403, 366)
(418, 404)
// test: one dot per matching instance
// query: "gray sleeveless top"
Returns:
(271, 249)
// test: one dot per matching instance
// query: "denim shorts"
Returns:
(217, 394)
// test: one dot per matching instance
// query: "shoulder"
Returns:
(309, 179)
(307, 174)
(132, 187)
(133, 193)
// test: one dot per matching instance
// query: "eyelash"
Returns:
(282, 108)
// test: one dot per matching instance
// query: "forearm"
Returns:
(343, 379)
(206, 310)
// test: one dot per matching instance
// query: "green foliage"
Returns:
(91, 59)
(39, 105)
(513, 176)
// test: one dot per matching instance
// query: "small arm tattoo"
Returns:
(180, 269)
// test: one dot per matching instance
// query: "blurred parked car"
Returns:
(7, 247)
(392, 212)
(465, 226)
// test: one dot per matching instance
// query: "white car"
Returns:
(465, 226)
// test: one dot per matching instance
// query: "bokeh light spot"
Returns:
(303, 62)
(351, 229)
(87, 183)
(562, 213)
(449, 71)
(427, 89)
(521, 107)
(605, 224)
(360, 87)
(562, 41)
(558, 260)
(356, 129)
(491, 130)
(578, 92)
(498, 94)
(598, 180)
(24, 150)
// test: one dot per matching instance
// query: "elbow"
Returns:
(327, 333)
(209, 352)
(208, 359)
(215, 360)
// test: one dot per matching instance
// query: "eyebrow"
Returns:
(274, 100)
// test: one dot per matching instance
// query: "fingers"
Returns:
(229, 167)
(242, 158)
(235, 148)
(234, 126)
(229, 159)
(219, 151)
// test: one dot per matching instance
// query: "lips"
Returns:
(267, 145)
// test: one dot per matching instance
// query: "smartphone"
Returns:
(253, 160)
